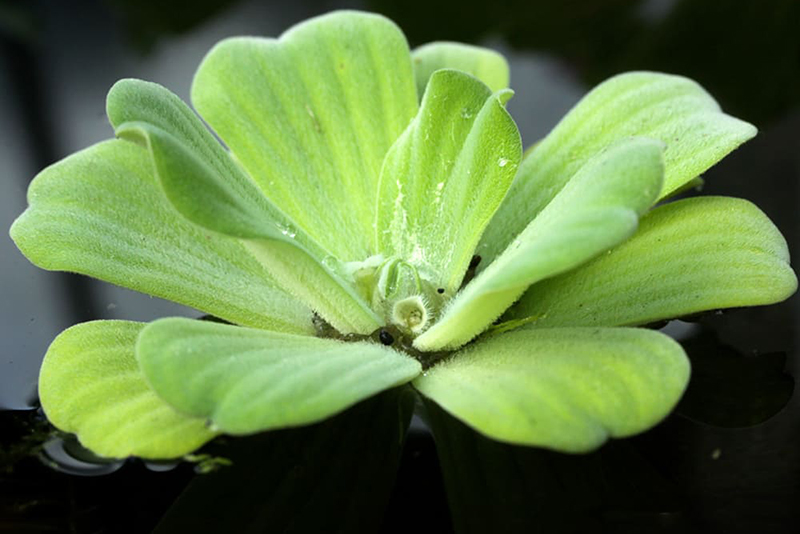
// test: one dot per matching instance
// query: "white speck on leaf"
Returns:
(288, 231)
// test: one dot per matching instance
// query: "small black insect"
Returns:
(385, 337)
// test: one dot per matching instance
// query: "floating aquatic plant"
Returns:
(372, 220)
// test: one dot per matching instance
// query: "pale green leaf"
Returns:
(444, 178)
(311, 115)
(204, 184)
(150, 114)
(101, 212)
(598, 209)
(333, 298)
(247, 380)
(670, 108)
(567, 389)
(90, 385)
(688, 256)
(485, 64)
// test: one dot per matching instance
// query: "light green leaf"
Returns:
(90, 384)
(444, 178)
(205, 186)
(485, 64)
(688, 256)
(670, 108)
(310, 116)
(315, 283)
(598, 209)
(151, 115)
(101, 212)
(247, 380)
(567, 389)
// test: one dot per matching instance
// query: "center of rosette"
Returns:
(398, 291)
(403, 294)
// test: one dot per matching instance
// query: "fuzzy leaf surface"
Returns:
(598, 209)
(311, 115)
(672, 109)
(445, 177)
(567, 389)
(688, 256)
(90, 384)
(205, 186)
(101, 212)
(247, 380)
(179, 142)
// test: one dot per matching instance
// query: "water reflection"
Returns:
(65, 455)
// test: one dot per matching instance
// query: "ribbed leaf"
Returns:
(673, 109)
(205, 185)
(597, 210)
(688, 256)
(444, 178)
(567, 389)
(150, 114)
(246, 380)
(90, 384)
(311, 116)
(487, 65)
(101, 212)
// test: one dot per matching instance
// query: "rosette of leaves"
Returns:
(371, 220)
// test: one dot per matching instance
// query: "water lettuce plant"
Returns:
(372, 220)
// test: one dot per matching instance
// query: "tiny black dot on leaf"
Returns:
(385, 337)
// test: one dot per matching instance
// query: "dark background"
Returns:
(727, 461)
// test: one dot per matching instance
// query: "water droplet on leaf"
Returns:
(287, 230)
(329, 262)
